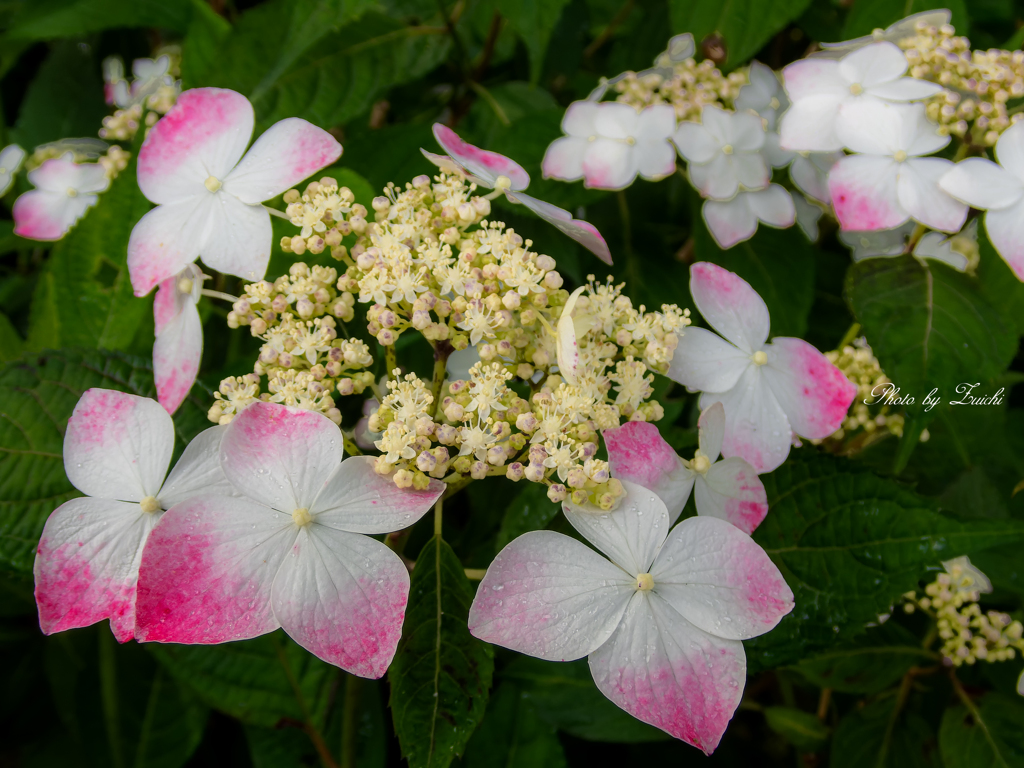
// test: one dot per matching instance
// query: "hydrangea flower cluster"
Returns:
(968, 634)
(857, 126)
(152, 92)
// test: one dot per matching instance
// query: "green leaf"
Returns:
(929, 325)
(849, 543)
(48, 19)
(513, 735)
(274, 747)
(564, 695)
(115, 706)
(877, 736)
(261, 681)
(441, 674)
(746, 25)
(878, 659)
(867, 15)
(989, 737)
(801, 729)
(10, 340)
(37, 396)
(64, 99)
(778, 264)
(531, 510)
(314, 60)
(88, 272)
(533, 21)
(997, 281)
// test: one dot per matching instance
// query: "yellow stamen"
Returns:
(727, 149)
(760, 357)
(301, 516)
(212, 183)
(900, 156)
(856, 89)
(150, 504)
(185, 285)
(644, 582)
(72, 192)
(700, 464)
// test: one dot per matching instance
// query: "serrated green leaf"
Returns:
(441, 674)
(260, 681)
(801, 729)
(533, 21)
(531, 510)
(564, 694)
(990, 737)
(868, 15)
(849, 543)
(875, 736)
(513, 735)
(878, 659)
(746, 25)
(88, 271)
(325, 62)
(929, 326)
(778, 264)
(37, 396)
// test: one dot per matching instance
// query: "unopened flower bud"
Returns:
(556, 493)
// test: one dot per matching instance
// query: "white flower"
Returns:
(208, 195)
(809, 173)
(807, 216)
(608, 144)
(734, 221)
(770, 391)
(879, 242)
(998, 190)
(680, 47)
(117, 448)
(765, 96)
(724, 152)
(899, 30)
(951, 250)
(728, 489)
(494, 171)
(890, 181)
(11, 158)
(64, 192)
(178, 348)
(289, 552)
(819, 87)
(661, 619)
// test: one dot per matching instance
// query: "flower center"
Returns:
(727, 149)
(72, 192)
(700, 464)
(301, 516)
(185, 285)
(760, 357)
(3, 171)
(150, 504)
(856, 89)
(212, 183)
(900, 156)
(775, 103)
(644, 582)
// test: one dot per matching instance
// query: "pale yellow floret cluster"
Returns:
(125, 123)
(304, 362)
(968, 634)
(431, 262)
(978, 83)
(859, 364)
(690, 87)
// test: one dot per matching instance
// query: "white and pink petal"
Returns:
(707, 362)
(732, 491)
(639, 454)
(730, 305)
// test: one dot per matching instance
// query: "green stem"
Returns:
(351, 449)
(438, 516)
(850, 336)
(390, 362)
(108, 693)
(491, 102)
(975, 713)
(349, 722)
(442, 351)
(308, 725)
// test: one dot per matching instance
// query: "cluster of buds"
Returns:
(866, 417)
(967, 633)
(325, 214)
(153, 90)
(303, 359)
(688, 89)
(978, 83)
(114, 161)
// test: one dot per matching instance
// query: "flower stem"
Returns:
(349, 722)
(442, 351)
(275, 212)
(438, 515)
(390, 363)
(219, 295)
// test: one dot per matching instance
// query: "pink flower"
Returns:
(208, 196)
(178, 348)
(65, 191)
(289, 552)
(770, 391)
(116, 451)
(608, 144)
(728, 489)
(494, 171)
(661, 619)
